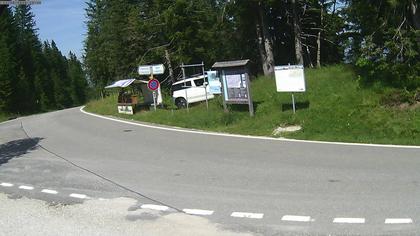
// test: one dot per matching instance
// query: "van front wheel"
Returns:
(181, 103)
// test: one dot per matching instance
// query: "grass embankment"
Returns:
(3, 117)
(334, 108)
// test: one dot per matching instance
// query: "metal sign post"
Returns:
(185, 85)
(205, 85)
(153, 85)
(207, 100)
(293, 104)
(154, 100)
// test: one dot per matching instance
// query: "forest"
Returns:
(378, 38)
(34, 75)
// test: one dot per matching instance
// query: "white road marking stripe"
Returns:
(349, 220)
(297, 218)
(6, 184)
(26, 187)
(185, 130)
(198, 212)
(49, 191)
(398, 221)
(154, 207)
(102, 199)
(80, 196)
(247, 215)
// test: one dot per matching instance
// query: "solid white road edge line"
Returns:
(6, 184)
(297, 218)
(398, 221)
(198, 212)
(154, 207)
(26, 187)
(349, 220)
(185, 130)
(247, 215)
(80, 196)
(49, 191)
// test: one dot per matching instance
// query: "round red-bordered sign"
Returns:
(153, 84)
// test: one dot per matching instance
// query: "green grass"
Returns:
(334, 108)
(3, 117)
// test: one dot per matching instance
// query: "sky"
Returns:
(63, 22)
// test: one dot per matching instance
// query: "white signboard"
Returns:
(125, 110)
(290, 78)
(151, 69)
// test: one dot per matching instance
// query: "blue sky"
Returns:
(63, 22)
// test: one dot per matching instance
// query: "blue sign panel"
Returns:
(214, 82)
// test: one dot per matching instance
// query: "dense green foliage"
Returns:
(35, 76)
(123, 34)
(386, 47)
(334, 108)
(380, 37)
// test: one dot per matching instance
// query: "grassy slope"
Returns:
(339, 110)
(3, 117)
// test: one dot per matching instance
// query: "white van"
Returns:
(191, 90)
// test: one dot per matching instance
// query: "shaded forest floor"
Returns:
(334, 108)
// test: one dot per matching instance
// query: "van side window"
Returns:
(180, 86)
(186, 84)
(177, 87)
(199, 82)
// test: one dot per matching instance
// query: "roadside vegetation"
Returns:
(334, 108)
(3, 117)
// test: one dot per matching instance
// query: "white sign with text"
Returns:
(290, 78)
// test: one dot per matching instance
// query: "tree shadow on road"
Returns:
(17, 148)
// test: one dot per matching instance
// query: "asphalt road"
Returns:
(286, 188)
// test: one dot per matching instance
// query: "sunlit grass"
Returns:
(334, 108)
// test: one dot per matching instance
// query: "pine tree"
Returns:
(78, 80)
(7, 59)
(29, 52)
(59, 77)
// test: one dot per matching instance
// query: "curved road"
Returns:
(289, 187)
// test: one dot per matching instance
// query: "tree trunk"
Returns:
(260, 44)
(168, 62)
(298, 31)
(265, 43)
(318, 40)
(415, 14)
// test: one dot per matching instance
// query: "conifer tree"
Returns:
(7, 58)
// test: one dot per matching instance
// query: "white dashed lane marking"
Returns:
(398, 221)
(198, 212)
(349, 220)
(247, 215)
(297, 218)
(155, 207)
(26, 187)
(49, 191)
(6, 184)
(291, 218)
(80, 196)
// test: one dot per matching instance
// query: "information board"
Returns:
(235, 88)
(290, 78)
(214, 82)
